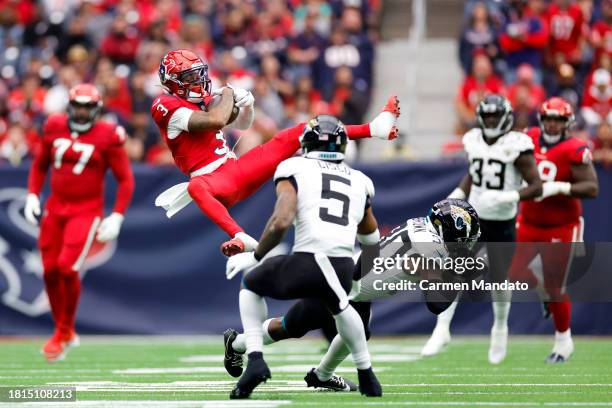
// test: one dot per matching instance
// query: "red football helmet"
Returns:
(559, 109)
(184, 74)
(85, 102)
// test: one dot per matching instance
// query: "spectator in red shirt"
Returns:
(526, 97)
(474, 88)
(565, 21)
(597, 101)
(602, 145)
(121, 43)
(523, 39)
(601, 33)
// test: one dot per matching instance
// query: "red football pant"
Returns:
(64, 243)
(556, 257)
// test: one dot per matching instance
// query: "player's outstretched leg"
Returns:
(440, 336)
(499, 332)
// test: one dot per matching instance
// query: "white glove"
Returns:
(109, 227)
(384, 126)
(458, 193)
(552, 188)
(491, 198)
(243, 98)
(249, 242)
(240, 262)
(32, 208)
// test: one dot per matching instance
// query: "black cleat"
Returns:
(257, 372)
(232, 360)
(555, 358)
(335, 383)
(368, 383)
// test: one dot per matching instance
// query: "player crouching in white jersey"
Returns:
(450, 229)
(329, 203)
(499, 161)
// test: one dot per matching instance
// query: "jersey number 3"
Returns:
(62, 145)
(496, 179)
(328, 194)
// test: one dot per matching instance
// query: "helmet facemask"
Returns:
(554, 128)
(495, 124)
(78, 120)
(195, 83)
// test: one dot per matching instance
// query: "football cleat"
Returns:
(232, 247)
(499, 345)
(53, 349)
(257, 372)
(562, 350)
(384, 126)
(368, 383)
(232, 359)
(546, 309)
(555, 358)
(335, 383)
(436, 343)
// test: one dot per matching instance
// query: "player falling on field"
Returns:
(190, 119)
(79, 149)
(565, 166)
(450, 229)
(499, 161)
(330, 204)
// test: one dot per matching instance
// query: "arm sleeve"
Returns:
(358, 131)
(120, 166)
(40, 165)
(179, 122)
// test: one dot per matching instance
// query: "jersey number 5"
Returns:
(328, 194)
(62, 145)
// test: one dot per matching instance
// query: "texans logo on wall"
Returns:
(21, 272)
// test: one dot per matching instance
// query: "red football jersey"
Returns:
(191, 150)
(78, 166)
(565, 29)
(554, 164)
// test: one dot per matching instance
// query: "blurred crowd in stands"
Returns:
(530, 50)
(298, 57)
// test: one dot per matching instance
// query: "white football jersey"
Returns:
(419, 238)
(492, 168)
(331, 202)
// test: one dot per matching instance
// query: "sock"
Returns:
(350, 328)
(336, 354)
(253, 311)
(444, 318)
(72, 292)
(561, 312)
(54, 286)
(239, 344)
(501, 308)
(563, 336)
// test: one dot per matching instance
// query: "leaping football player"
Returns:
(565, 166)
(79, 148)
(191, 118)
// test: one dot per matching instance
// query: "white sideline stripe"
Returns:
(501, 385)
(90, 236)
(185, 370)
(157, 404)
(385, 358)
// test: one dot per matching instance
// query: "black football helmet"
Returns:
(455, 221)
(495, 116)
(324, 133)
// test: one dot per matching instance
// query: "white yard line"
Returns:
(185, 370)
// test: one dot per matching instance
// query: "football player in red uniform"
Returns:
(564, 164)
(190, 117)
(79, 148)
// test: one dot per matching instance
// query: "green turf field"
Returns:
(184, 372)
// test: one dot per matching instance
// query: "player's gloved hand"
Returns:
(249, 242)
(109, 227)
(384, 126)
(553, 188)
(243, 98)
(32, 208)
(240, 262)
(491, 198)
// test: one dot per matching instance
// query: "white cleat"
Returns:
(562, 350)
(436, 343)
(499, 345)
